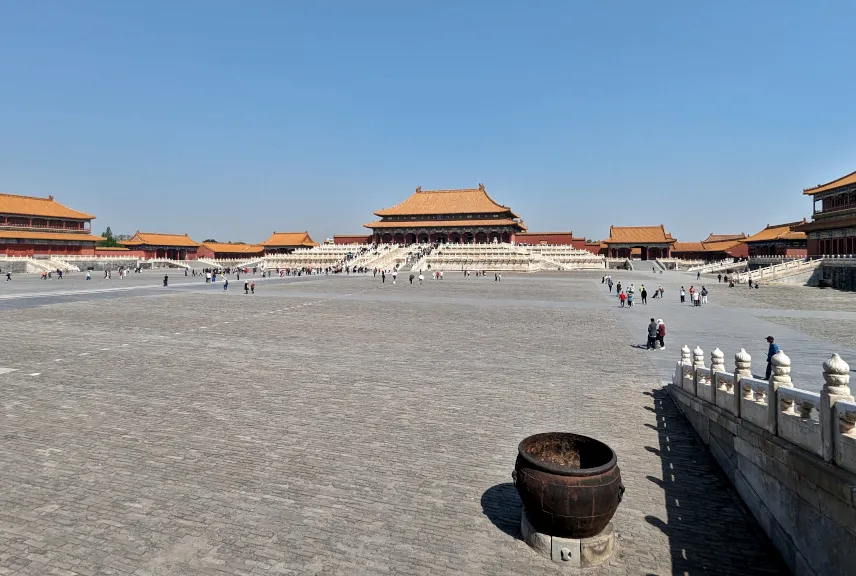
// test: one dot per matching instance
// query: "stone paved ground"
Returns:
(338, 426)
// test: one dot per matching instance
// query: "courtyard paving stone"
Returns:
(341, 426)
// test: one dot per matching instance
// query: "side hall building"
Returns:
(832, 230)
(32, 226)
(784, 240)
(644, 242)
(150, 245)
(713, 248)
(287, 242)
(462, 216)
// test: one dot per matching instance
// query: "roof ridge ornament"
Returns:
(481, 186)
(419, 188)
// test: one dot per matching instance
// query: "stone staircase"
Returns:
(719, 266)
(168, 263)
(781, 272)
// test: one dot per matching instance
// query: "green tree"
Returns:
(109, 240)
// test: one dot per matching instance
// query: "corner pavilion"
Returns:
(30, 225)
(651, 241)
(463, 216)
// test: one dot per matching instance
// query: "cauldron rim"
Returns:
(566, 470)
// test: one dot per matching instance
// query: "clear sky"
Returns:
(230, 119)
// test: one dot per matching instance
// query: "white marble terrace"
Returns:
(822, 423)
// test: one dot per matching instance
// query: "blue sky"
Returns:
(232, 119)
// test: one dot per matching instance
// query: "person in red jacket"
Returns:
(622, 297)
(661, 333)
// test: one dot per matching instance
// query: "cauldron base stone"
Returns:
(582, 553)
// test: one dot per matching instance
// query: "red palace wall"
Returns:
(352, 239)
(43, 249)
(739, 251)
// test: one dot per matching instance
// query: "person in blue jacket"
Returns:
(771, 351)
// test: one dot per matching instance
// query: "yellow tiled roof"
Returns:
(460, 201)
(640, 234)
(444, 223)
(688, 247)
(155, 239)
(71, 237)
(778, 232)
(843, 181)
(237, 247)
(289, 239)
(43, 207)
(722, 237)
(721, 246)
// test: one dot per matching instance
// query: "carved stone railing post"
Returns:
(698, 357)
(836, 373)
(717, 361)
(781, 375)
(686, 358)
(742, 369)
(698, 362)
(742, 365)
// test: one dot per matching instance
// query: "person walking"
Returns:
(652, 335)
(253, 287)
(618, 288)
(644, 294)
(383, 276)
(166, 279)
(225, 283)
(697, 299)
(683, 295)
(630, 299)
(719, 276)
(421, 277)
(661, 333)
(411, 279)
(771, 351)
(703, 295)
(698, 275)
(692, 295)
(622, 297)
(246, 287)
(88, 275)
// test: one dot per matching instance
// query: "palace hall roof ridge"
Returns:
(159, 239)
(290, 239)
(779, 232)
(37, 206)
(722, 237)
(450, 201)
(643, 234)
(837, 183)
(232, 247)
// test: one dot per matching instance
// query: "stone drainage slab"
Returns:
(578, 553)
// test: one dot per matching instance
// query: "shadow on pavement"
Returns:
(502, 506)
(709, 529)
